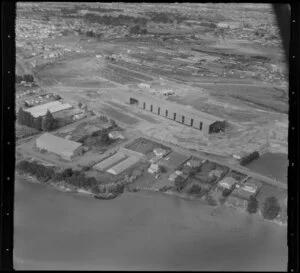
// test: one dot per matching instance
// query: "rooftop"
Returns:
(57, 144)
(53, 106)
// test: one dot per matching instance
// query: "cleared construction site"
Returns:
(182, 114)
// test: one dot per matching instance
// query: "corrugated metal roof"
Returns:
(106, 163)
(179, 108)
(122, 166)
(53, 106)
(56, 144)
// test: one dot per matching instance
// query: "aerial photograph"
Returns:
(150, 136)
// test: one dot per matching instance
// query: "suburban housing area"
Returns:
(133, 101)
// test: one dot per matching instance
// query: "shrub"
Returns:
(271, 208)
(180, 183)
(195, 189)
(163, 169)
(226, 192)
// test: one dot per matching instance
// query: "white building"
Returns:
(65, 148)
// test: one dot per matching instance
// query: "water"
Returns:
(272, 165)
(138, 231)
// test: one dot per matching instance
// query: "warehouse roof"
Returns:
(53, 106)
(173, 106)
(106, 163)
(123, 165)
(57, 144)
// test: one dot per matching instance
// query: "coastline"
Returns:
(69, 189)
(201, 200)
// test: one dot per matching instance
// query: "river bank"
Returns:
(108, 196)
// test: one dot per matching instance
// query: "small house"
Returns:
(159, 152)
(154, 168)
(115, 135)
(227, 182)
(194, 163)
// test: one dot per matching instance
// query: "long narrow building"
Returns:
(185, 115)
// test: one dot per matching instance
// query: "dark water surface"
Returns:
(272, 165)
(145, 231)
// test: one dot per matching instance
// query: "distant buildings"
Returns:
(65, 148)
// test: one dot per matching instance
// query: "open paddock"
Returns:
(119, 115)
(145, 146)
(237, 176)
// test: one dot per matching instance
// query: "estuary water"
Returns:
(272, 165)
(138, 231)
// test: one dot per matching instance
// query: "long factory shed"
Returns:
(186, 115)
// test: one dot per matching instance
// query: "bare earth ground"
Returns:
(255, 111)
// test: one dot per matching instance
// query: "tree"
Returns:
(226, 192)
(252, 206)
(20, 116)
(271, 208)
(163, 169)
(38, 123)
(48, 123)
(195, 189)
(179, 182)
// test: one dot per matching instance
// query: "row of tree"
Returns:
(270, 209)
(24, 77)
(71, 177)
(96, 138)
(46, 123)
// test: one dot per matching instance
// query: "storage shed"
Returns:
(65, 148)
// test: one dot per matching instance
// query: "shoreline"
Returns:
(200, 200)
(66, 189)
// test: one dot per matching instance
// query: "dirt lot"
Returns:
(119, 115)
(145, 146)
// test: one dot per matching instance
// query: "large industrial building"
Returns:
(53, 107)
(119, 162)
(182, 114)
(66, 149)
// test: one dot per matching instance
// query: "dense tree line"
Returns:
(96, 138)
(41, 172)
(247, 159)
(46, 123)
(71, 177)
(24, 77)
